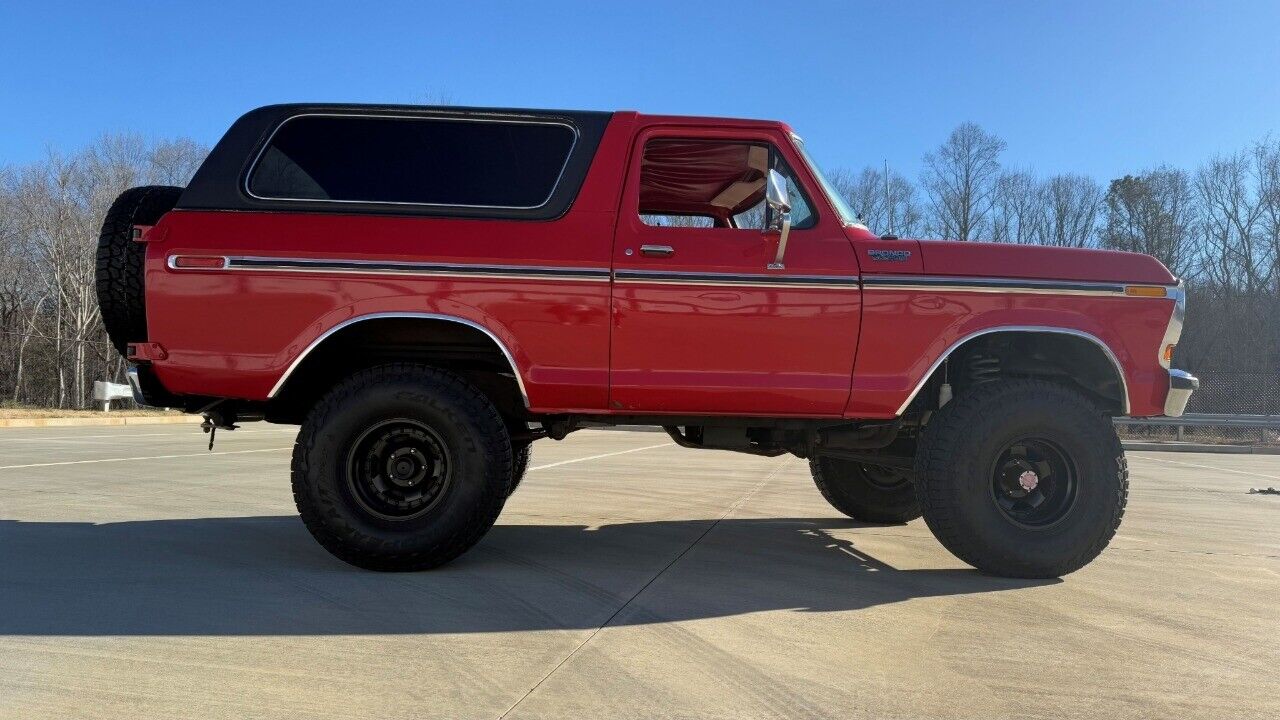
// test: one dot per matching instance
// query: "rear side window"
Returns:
(419, 161)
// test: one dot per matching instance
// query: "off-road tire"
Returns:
(468, 427)
(119, 270)
(956, 461)
(520, 455)
(861, 492)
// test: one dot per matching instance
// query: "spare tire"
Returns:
(120, 261)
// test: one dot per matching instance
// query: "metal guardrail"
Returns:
(1266, 422)
(1261, 423)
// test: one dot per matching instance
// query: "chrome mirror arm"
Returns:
(782, 243)
(778, 199)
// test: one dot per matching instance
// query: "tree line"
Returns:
(52, 344)
(1216, 225)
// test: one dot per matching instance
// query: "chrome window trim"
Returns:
(515, 370)
(797, 144)
(1124, 383)
(441, 117)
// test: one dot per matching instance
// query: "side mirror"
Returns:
(776, 192)
(777, 200)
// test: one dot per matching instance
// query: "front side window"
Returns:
(421, 161)
(719, 182)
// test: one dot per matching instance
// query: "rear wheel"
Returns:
(401, 467)
(1024, 478)
(871, 493)
(520, 455)
(119, 268)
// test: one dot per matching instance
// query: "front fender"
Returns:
(907, 334)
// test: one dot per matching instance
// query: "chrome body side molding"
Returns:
(666, 277)
(943, 283)
(246, 263)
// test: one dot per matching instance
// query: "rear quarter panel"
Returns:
(233, 334)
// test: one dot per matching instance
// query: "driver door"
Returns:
(701, 325)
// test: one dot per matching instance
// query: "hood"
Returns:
(979, 259)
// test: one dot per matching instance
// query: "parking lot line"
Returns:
(148, 457)
(1211, 467)
(597, 457)
(120, 435)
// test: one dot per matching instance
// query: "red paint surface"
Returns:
(600, 347)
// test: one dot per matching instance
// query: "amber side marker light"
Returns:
(1145, 291)
(1167, 356)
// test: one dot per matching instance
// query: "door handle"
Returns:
(657, 250)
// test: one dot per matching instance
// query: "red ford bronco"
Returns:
(428, 291)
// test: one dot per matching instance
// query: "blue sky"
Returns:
(1101, 88)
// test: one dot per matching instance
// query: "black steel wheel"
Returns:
(398, 469)
(1022, 478)
(866, 492)
(401, 467)
(1033, 482)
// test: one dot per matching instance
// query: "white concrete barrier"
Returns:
(104, 392)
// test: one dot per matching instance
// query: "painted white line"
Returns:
(148, 457)
(241, 452)
(195, 432)
(1211, 467)
(594, 457)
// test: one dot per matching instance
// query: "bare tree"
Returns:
(1268, 159)
(1017, 209)
(960, 182)
(884, 207)
(50, 212)
(1153, 213)
(435, 96)
(1072, 207)
(1236, 256)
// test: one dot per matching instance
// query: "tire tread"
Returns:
(341, 538)
(942, 442)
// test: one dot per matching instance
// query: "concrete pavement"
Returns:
(141, 576)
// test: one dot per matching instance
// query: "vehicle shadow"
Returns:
(266, 576)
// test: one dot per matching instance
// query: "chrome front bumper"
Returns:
(1181, 385)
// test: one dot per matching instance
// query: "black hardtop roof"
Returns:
(219, 182)
(288, 109)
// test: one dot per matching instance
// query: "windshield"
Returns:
(847, 215)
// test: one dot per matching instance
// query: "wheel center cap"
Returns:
(1028, 480)
(406, 468)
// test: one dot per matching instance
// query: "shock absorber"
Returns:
(980, 369)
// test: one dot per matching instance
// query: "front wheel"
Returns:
(401, 467)
(1024, 478)
(870, 493)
